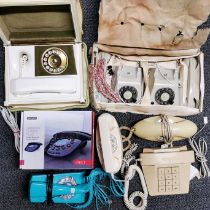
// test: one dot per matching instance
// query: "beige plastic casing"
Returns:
(145, 107)
(152, 129)
(153, 160)
(77, 21)
(109, 143)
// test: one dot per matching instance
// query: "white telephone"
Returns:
(193, 94)
(109, 143)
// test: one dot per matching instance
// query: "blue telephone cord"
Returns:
(99, 191)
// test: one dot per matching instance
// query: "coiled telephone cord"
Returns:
(200, 148)
(129, 200)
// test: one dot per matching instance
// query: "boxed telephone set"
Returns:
(148, 62)
(45, 58)
(57, 140)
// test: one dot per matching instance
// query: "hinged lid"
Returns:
(40, 21)
(134, 27)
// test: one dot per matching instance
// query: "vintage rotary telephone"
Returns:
(175, 82)
(117, 81)
(65, 143)
(167, 87)
(50, 71)
(129, 84)
(75, 189)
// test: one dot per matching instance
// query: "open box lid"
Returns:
(141, 27)
(40, 21)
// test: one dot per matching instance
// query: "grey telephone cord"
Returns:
(128, 157)
(200, 148)
(11, 121)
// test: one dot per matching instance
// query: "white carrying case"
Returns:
(116, 52)
(23, 89)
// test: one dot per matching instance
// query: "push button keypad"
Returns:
(168, 180)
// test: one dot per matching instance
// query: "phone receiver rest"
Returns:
(23, 86)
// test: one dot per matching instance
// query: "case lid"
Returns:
(152, 25)
(40, 21)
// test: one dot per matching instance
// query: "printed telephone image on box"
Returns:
(57, 140)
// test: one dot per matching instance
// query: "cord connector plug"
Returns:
(205, 120)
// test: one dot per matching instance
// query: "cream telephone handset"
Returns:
(109, 143)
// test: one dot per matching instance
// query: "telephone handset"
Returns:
(65, 143)
(109, 143)
(193, 96)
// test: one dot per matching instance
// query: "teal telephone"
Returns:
(75, 189)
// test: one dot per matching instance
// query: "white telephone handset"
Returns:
(109, 143)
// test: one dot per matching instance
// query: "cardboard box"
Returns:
(57, 140)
